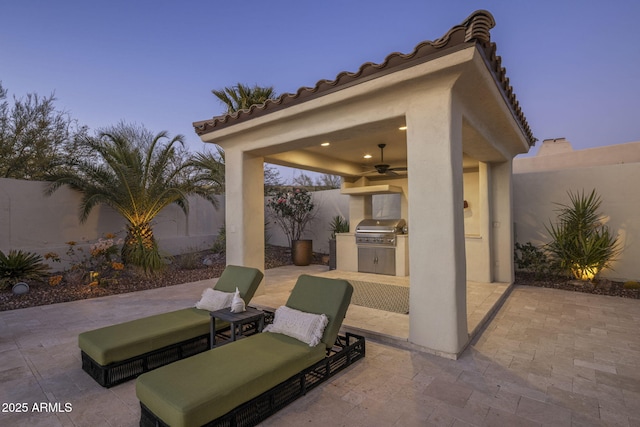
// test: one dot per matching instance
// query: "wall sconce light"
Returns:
(466, 205)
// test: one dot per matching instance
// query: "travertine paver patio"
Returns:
(383, 326)
(548, 357)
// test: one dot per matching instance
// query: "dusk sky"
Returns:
(574, 65)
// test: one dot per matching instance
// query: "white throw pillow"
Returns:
(306, 327)
(213, 300)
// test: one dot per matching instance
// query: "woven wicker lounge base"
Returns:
(348, 349)
(119, 372)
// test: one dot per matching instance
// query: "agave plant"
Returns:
(20, 265)
(581, 243)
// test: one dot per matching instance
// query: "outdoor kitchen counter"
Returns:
(347, 253)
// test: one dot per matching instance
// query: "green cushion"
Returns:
(130, 339)
(194, 391)
(321, 295)
(126, 340)
(246, 279)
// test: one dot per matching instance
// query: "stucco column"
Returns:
(438, 314)
(486, 235)
(502, 222)
(244, 208)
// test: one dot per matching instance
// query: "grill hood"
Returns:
(395, 226)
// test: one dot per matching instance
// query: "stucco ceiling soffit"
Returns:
(314, 162)
(487, 110)
(477, 147)
(499, 73)
(475, 29)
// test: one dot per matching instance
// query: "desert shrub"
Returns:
(581, 243)
(631, 284)
(220, 245)
(21, 265)
(189, 260)
(532, 259)
(101, 264)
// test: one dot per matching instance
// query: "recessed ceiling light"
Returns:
(402, 128)
(367, 156)
(325, 144)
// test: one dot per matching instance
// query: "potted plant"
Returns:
(292, 209)
(338, 225)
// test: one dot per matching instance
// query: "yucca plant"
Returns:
(582, 244)
(20, 265)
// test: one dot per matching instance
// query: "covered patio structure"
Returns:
(447, 113)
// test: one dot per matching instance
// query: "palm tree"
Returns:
(138, 174)
(241, 97)
(236, 98)
(209, 169)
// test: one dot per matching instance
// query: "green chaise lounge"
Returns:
(117, 353)
(244, 382)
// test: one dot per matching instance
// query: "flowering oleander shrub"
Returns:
(292, 210)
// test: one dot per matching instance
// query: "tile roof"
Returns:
(474, 29)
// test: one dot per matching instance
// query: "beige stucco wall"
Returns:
(615, 179)
(329, 203)
(33, 222)
(557, 154)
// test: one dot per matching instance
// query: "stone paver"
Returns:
(547, 357)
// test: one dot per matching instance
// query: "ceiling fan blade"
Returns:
(368, 172)
(383, 168)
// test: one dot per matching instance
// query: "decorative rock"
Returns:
(604, 284)
(582, 284)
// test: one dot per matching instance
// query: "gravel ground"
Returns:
(183, 269)
(599, 287)
(206, 265)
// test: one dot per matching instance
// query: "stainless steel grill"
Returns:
(379, 232)
(376, 240)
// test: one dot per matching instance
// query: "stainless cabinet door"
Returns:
(386, 261)
(366, 260)
(377, 260)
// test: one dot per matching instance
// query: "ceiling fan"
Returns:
(383, 168)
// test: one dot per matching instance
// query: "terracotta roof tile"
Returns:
(475, 29)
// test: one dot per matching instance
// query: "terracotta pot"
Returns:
(301, 252)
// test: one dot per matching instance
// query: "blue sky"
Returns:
(574, 65)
